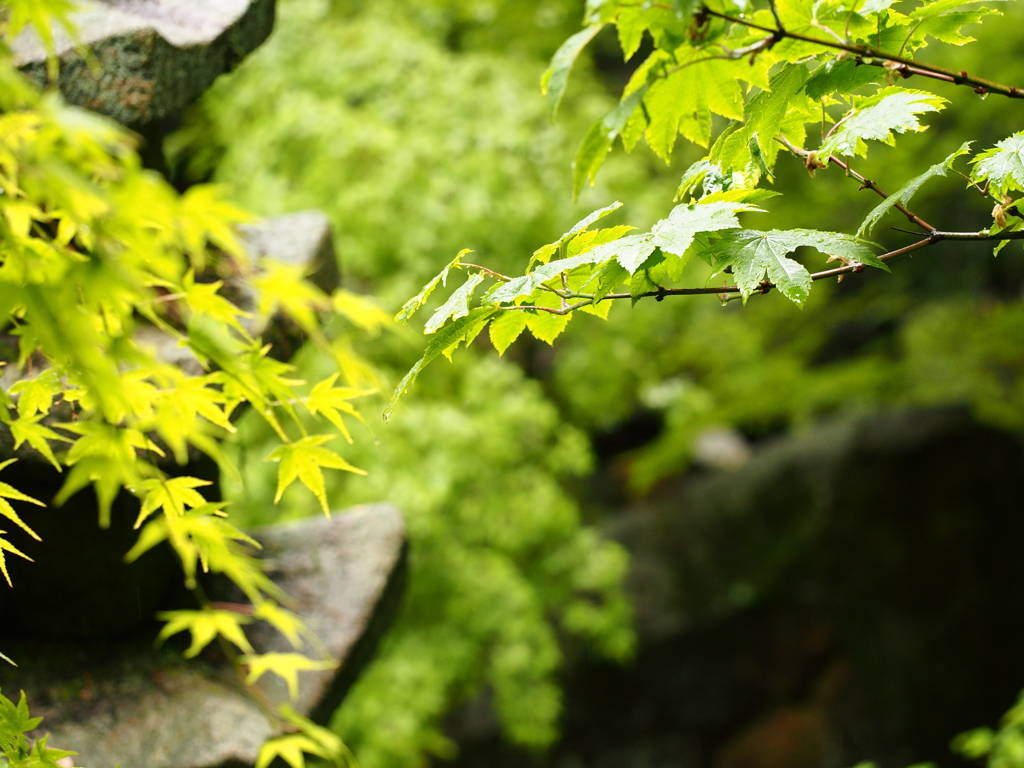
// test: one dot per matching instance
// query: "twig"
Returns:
(934, 236)
(775, 15)
(875, 57)
(865, 183)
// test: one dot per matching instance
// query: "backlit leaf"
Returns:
(1002, 166)
(555, 79)
(205, 626)
(302, 460)
(599, 139)
(417, 301)
(6, 546)
(286, 666)
(890, 110)
(331, 402)
(506, 328)
(465, 329)
(456, 306)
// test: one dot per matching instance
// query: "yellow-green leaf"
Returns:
(205, 626)
(286, 666)
(302, 460)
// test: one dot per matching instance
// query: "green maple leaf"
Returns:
(836, 76)
(682, 102)
(753, 255)
(546, 326)
(286, 666)
(331, 402)
(457, 305)
(205, 626)
(545, 252)
(506, 329)
(291, 748)
(908, 190)
(444, 342)
(311, 739)
(204, 299)
(28, 429)
(1002, 166)
(630, 251)
(599, 139)
(6, 510)
(556, 78)
(6, 546)
(36, 395)
(283, 286)
(302, 461)
(284, 621)
(416, 302)
(673, 234)
(205, 216)
(16, 721)
(875, 119)
(768, 110)
(173, 496)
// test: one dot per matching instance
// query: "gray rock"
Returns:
(155, 57)
(301, 239)
(121, 702)
(848, 594)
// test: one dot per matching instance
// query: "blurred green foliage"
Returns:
(1001, 748)
(415, 150)
(420, 129)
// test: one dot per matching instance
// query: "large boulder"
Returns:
(117, 702)
(847, 595)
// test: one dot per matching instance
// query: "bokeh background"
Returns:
(527, 637)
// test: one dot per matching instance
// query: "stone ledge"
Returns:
(155, 57)
(119, 702)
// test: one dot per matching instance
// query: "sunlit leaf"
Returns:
(205, 626)
(331, 402)
(877, 118)
(1002, 166)
(286, 666)
(755, 256)
(556, 77)
(415, 303)
(303, 460)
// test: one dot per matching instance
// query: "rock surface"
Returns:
(301, 239)
(119, 702)
(846, 595)
(155, 57)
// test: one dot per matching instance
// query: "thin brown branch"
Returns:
(775, 14)
(865, 183)
(875, 57)
(934, 236)
(728, 54)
